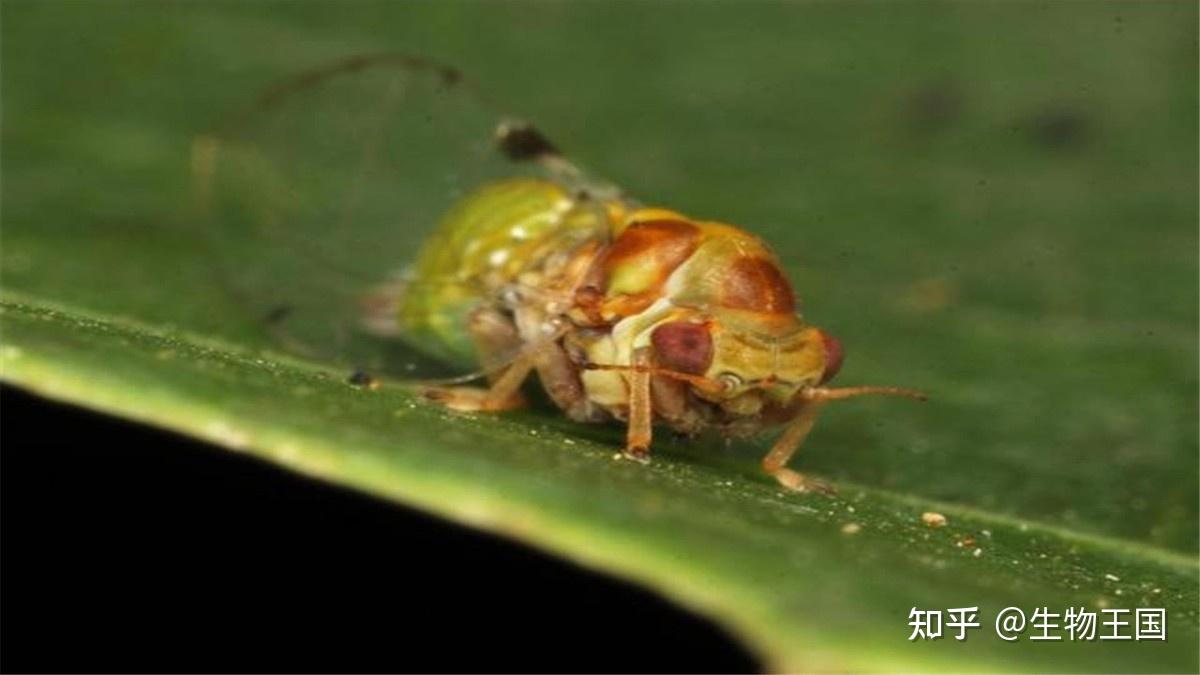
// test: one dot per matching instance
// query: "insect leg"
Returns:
(669, 398)
(504, 394)
(638, 433)
(560, 379)
(775, 463)
(495, 339)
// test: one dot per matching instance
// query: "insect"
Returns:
(624, 312)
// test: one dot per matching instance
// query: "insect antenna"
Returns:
(457, 379)
(839, 393)
(516, 139)
(697, 381)
(279, 92)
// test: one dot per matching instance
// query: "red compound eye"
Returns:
(683, 347)
(833, 356)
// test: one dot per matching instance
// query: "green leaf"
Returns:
(988, 202)
(780, 570)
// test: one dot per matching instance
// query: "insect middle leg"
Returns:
(775, 463)
(560, 378)
(496, 341)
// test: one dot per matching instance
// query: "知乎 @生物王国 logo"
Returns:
(1041, 624)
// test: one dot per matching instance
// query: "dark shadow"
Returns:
(131, 549)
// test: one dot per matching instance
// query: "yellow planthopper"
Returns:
(623, 312)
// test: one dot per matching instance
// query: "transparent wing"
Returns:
(325, 186)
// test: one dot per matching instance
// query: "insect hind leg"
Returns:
(496, 341)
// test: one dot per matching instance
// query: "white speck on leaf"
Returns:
(933, 519)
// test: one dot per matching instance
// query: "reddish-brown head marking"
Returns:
(683, 347)
(756, 284)
(833, 356)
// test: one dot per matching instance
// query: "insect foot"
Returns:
(637, 454)
(798, 482)
(471, 399)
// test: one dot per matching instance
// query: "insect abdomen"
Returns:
(483, 243)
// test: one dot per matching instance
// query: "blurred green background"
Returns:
(994, 202)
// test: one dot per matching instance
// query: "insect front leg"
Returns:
(775, 463)
(638, 432)
(496, 340)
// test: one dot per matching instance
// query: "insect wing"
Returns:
(325, 187)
